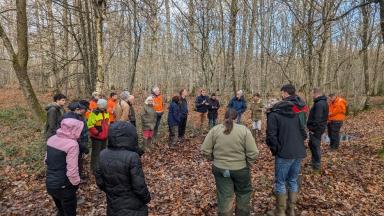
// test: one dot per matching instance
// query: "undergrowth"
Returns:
(21, 141)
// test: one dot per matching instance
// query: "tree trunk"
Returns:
(99, 6)
(249, 53)
(65, 44)
(243, 42)
(232, 44)
(136, 46)
(168, 38)
(20, 59)
(52, 47)
(365, 43)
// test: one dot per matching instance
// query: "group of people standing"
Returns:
(111, 123)
(233, 150)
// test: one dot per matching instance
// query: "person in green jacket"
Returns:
(148, 122)
(256, 114)
(233, 150)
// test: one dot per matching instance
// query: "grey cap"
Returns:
(124, 95)
(102, 103)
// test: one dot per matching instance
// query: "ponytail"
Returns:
(230, 115)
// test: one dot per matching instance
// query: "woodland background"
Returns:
(255, 45)
(78, 46)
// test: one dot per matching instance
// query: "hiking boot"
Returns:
(229, 213)
(281, 205)
(80, 200)
(240, 212)
(292, 199)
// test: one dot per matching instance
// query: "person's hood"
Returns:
(340, 100)
(123, 134)
(72, 115)
(284, 108)
(323, 97)
(70, 128)
(76, 105)
(55, 105)
(296, 100)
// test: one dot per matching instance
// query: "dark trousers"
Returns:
(212, 121)
(65, 200)
(97, 146)
(182, 126)
(334, 133)
(81, 163)
(237, 183)
(133, 123)
(315, 147)
(238, 121)
(172, 135)
(157, 125)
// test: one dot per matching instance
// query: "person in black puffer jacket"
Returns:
(317, 123)
(120, 174)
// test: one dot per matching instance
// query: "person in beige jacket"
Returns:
(122, 107)
(233, 150)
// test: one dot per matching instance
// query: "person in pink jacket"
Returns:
(62, 176)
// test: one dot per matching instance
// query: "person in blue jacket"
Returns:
(239, 104)
(174, 118)
(202, 105)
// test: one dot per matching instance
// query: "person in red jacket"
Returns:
(98, 125)
(336, 116)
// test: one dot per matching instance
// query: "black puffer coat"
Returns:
(285, 133)
(318, 116)
(120, 174)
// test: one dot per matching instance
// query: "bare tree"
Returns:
(20, 58)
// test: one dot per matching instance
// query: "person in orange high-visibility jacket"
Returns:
(337, 110)
(158, 106)
(92, 103)
(111, 106)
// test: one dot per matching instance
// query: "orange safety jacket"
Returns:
(111, 109)
(158, 104)
(92, 106)
(337, 109)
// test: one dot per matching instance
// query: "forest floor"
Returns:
(180, 180)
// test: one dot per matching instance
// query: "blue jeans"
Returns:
(286, 173)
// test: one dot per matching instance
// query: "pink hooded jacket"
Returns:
(65, 141)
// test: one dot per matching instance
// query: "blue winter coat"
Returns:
(174, 114)
(239, 105)
(200, 106)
